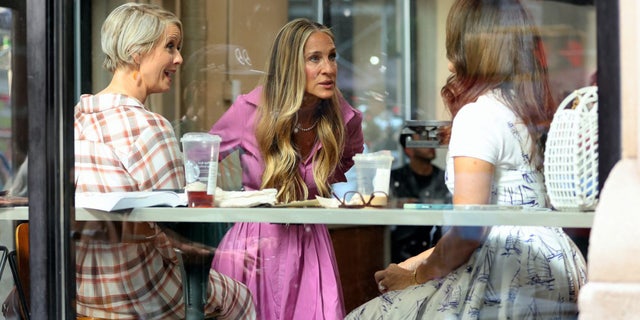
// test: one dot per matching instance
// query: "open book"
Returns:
(114, 201)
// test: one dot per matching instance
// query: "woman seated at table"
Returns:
(131, 270)
(499, 96)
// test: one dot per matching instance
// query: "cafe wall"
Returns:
(431, 61)
(226, 44)
(237, 40)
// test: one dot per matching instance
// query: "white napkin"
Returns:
(243, 199)
(340, 188)
(328, 202)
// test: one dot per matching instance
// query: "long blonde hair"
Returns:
(283, 92)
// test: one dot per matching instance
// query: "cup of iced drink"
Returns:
(373, 172)
(197, 196)
(200, 150)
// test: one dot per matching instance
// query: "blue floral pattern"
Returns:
(518, 273)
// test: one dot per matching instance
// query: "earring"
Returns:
(135, 75)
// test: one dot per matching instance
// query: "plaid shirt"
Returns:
(121, 146)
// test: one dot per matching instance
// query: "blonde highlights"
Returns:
(283, 92)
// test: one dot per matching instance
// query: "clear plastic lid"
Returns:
(200, 136)
(378, 155)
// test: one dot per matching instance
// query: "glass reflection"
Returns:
(6, 234)
(222, 59)
(392, 66)
(13, 161)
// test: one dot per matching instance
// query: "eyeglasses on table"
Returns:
(357, 201)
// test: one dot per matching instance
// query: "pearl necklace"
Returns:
(298, 127)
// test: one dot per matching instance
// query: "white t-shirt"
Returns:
(488, 130)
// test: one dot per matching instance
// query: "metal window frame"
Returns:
(50, 104)
(609, 91)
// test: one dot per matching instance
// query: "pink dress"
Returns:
(290, 269)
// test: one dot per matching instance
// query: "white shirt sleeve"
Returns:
(477, 132)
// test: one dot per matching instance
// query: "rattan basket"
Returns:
(571, 152)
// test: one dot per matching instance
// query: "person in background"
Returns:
(298, 135)
(499, 97)
(131, 270)
(418, 181)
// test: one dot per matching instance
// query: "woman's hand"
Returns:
(473, 179)
(394, 278)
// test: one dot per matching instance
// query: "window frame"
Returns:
(50, 105)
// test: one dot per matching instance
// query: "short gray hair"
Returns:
(133, 29)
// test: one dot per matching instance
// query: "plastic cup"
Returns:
(373, 171)
(197, 196)
(200, 150)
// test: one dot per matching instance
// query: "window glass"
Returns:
(13, 126)
(391, 63)
(5, 135)
(13, 139)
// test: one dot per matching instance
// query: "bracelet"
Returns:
(415, 276)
